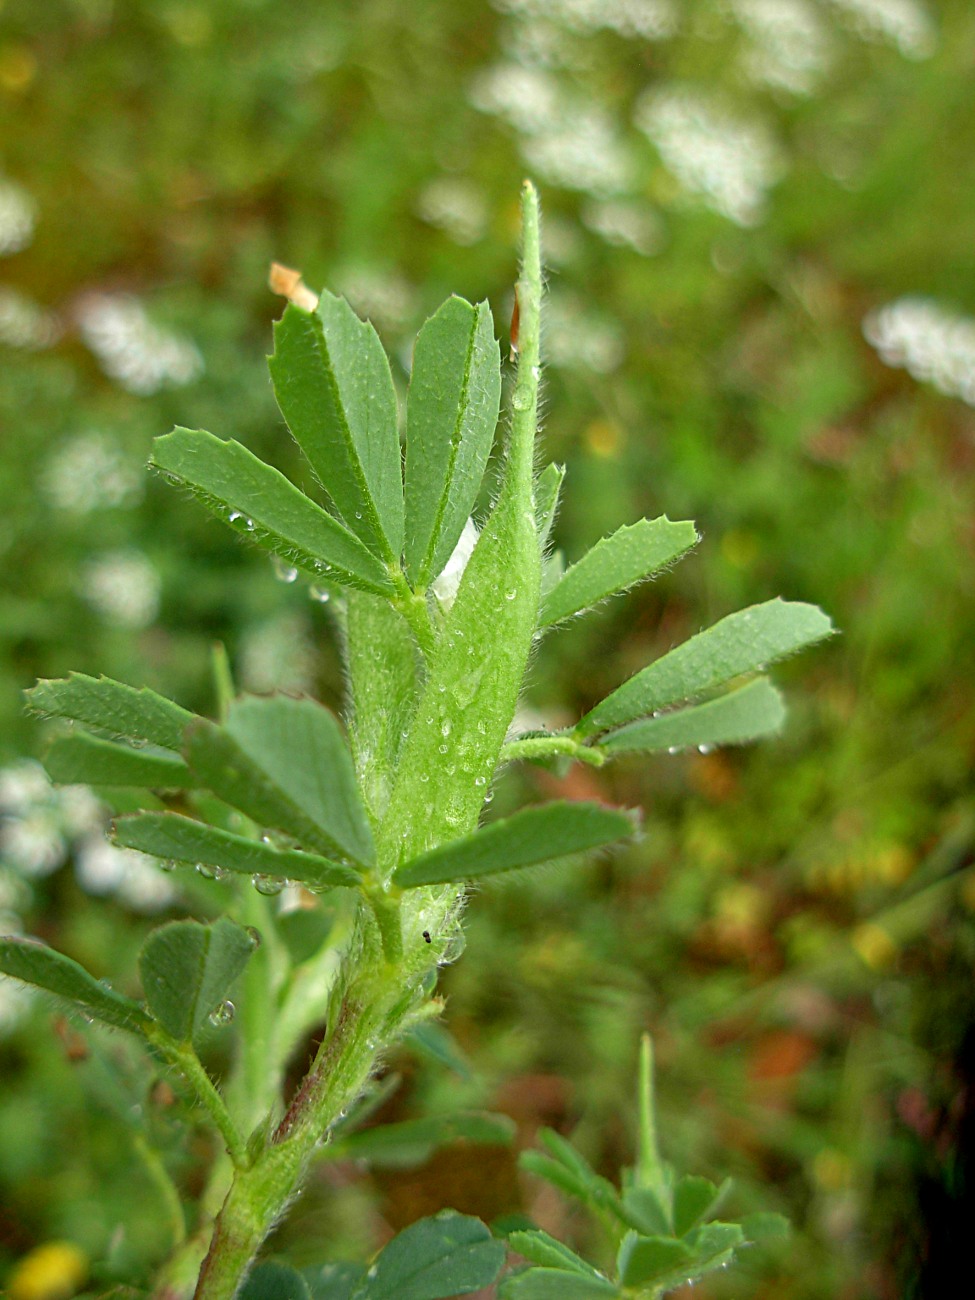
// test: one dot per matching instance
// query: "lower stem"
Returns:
(260, 1195)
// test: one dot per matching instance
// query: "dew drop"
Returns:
(269, 886)
(234, 516)
(283, 571)
(249, 525)
(443, 749)
(424, 778)
(480, 780)
(255, 935)
(167, 864)
(321, 594)
(673, 749)
(510, 595)
(445, 730)
(358, 514)
(222, 1014)
(489, 797)
(208, 872)
(521, 399)
(705, 749)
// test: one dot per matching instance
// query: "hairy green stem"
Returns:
(185, 1059)
(542, 747)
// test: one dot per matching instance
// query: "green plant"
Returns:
(438, 622)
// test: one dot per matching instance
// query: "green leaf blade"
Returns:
(284, 763)
(548, 488)
(126, 712)
(743, 642)
(747, 714)
(452, 413)
(446, 1255)
(262, 505)
(412, 1141)
(84, 759)
(643, 1260)
(630, 555)
(548, 1252)
(555, 1284)
(272, 1280)
(187, 969)
(335, 390)
(35, 963)
(176, 838)
(529, 837)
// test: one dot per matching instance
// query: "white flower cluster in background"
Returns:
(90, 472)
(123, 587)
(41, 827)
(18, 216)
(905, 23)
(137, 354)
(25, 325)
(576, 338)
(730, 164)
(788, 44)
(625, 223)
(652, 20)
(932, 343)
(456, 206)
(566, 138)
(279, 655)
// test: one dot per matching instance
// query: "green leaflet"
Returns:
(284, 763)
(121, 711)
(642, 1260)
(188, 968)
(548, 1252)
(35, 963)
(744, 642)
(335, 389)
(94, 761)
(745, 714)
(631, 554)
(446, 1255)
(260, 503)
(695, 1200)
(451, 416)
(555, 1284)
(381, 666)
(181, 839)
(528, 837)
(548, 487)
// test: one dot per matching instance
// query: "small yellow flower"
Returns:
(53, 1271)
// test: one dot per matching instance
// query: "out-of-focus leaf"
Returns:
(335, 389)
(548, 1252)
(122, 711)
(630, 555)
(260, 503)
(745, 714)
(744, 642)
(35, 963)
(451, 416)
(90, 760)
(181, 839)
(333, 1281)
(643, 1260)
(274, 1281)
(187, 969)
(412, 1141)
(695, 1199)
(555, 1284)
(531, 836)
(284, 763)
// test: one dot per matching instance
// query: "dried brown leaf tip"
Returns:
(289, 284)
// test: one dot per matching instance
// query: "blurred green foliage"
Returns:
(732, 204)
